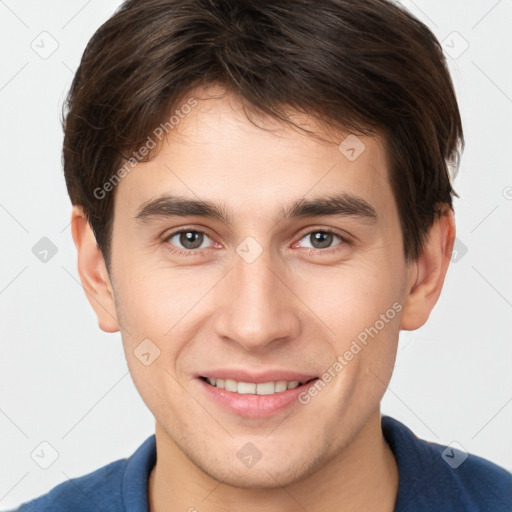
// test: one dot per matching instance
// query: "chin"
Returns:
(264, 477)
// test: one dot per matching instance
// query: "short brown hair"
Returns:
(366, 66)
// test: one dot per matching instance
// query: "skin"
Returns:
(295, 307)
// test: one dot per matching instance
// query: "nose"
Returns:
(257, 306)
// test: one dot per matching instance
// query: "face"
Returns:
(258, 258)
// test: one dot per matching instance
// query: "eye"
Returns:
(189, 239)
(320, 240)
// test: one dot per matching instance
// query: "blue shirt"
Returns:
(432, 478)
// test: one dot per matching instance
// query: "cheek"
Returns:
(154, 311)
(157, 302)
(351, 297)
(361, 308)
(161, 310)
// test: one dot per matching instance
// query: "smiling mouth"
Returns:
(251, 388)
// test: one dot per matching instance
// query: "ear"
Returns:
(93, 272)
(427, 273)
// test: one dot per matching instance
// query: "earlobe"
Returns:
(427, 273)
(93, 272)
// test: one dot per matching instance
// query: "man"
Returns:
(262, 201)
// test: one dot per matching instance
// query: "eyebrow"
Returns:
(169, 206)
(344, 204)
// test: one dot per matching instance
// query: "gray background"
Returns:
(66, 383)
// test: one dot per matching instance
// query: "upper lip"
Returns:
(241, 375)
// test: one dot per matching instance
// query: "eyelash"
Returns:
(200, 252)
(183, 252)
(329, 250)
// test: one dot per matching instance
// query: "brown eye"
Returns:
(320, 240)
(188, 239)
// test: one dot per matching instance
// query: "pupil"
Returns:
(321, 239)
(191, 239)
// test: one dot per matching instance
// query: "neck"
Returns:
(363, 476)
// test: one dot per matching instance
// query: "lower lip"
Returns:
(254, 406)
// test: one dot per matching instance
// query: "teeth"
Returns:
(231, 385)
(244, 388)
(281, 385)
(250, 388)
(264, 388)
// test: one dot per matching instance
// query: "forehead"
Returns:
(214, 152)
